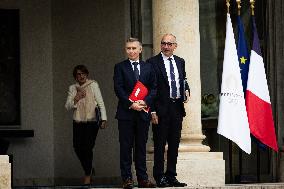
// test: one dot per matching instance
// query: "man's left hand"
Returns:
(187, 96)
(142, 103)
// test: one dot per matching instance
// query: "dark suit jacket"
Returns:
(163, 89)
(124, 82)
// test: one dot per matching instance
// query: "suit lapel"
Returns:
(130, 71)
(162, 67)
(179, 67)
(142, 69)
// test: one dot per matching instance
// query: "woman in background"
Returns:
(83, 98)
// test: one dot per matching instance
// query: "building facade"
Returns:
(56, 35)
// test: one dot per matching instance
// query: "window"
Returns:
(9, 68)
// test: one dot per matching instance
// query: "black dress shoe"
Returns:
(173, 182)
(127, 184)
(162, 182)
(146, 184)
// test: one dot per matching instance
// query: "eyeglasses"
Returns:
(80, 74)
(167, 43)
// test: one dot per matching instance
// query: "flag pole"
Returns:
(230, 142)
(257, 149)
(228, 6)
(252, 6)
(240, 151)
(239, 6)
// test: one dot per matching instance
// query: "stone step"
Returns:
(4, 159)
(5, 172)
(229, 186)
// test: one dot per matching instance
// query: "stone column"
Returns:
(5, 172)
(181, 18)
(196, 165)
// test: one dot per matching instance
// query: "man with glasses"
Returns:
(168, 110)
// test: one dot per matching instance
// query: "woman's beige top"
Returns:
(84, 109)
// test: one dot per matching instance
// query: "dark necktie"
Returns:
(173, 81)
(136, 71)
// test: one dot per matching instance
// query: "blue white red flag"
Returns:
(257, 97)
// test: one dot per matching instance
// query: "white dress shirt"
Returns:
(167, 66)
(138, 65)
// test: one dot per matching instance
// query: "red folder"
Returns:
(139, 92)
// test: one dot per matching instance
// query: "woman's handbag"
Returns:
(98, 115)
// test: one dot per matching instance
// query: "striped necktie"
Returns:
(136, 71)
(173, 81)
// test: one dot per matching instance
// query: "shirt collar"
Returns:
(131, 61)
(167, 58)
(88, 81)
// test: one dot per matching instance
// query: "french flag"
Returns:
(258, 103)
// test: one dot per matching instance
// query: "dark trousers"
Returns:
(167, 131)
(84, 137)
(133, 133)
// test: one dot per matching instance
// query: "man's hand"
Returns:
(80, 94)
(187, 96)
(155, 119)
(103, 124)
(136, 106)
(142, 103)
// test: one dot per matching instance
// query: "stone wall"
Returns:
(5, 173)
(54, 37)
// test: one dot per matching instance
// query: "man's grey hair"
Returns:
(169, 34)
(132, 39)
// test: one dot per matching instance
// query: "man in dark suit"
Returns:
(133, 119)
(168, 110)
